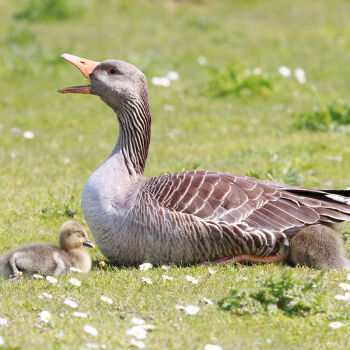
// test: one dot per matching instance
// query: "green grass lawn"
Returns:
(221, 117)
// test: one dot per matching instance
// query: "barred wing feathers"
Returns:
(232, 200)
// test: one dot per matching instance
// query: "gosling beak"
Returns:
(86, 67)
(88, 243)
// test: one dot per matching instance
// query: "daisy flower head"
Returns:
(137, 331)
(284, 71)
(91, 330)
(191, 309)
(137, 343)
(75, 282)
(47, 295)
(75, 269)
(161, 81)
(344, 286)
(211, 271)
(300, 76)
(191, 279)
(201, 60)
(173, 75)
(70, 303)
(38, 276)
(146, 280)
(212, 347)
(206, 301)
(3, 322)
(79, 314)
(179, 307)
(336, 325)
(166, 268)
(2, 341)
(166, 277)
(45, 316)
(145, 266)
(51, 279)
(137, 321)
(342, 297)
(106, 299)
(28, 135)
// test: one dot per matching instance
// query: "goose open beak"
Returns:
(85, 66)
(88, 243)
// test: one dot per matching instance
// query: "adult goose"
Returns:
(190, 216)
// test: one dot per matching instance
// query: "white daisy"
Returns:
(91, 330)
(191, 309)
(173, 75)
(211, 271)
(47, 295)
(336, 325)
(299, 74)
(75, 269)
(344, 286)
(137, 343)
(145, 266)
(75, 282)
(166, 277)
(2, 341)
(106, 299)
(206, 301)
(38, 276)
(285, 71)
(137, 321)
(166, 268)
(257, 71)
(191, 279)
(146, 280)
(79, 314)
(340, 297)
(201, 60)
(28, 135)
(70, 303)
(45, 316)
(3, 322)
(212, 347)
(51, 279)
(161, 81)
(179, 307)
(137, 331)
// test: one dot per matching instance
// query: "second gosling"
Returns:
(47, 259)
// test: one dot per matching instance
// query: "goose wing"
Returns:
(234, 199)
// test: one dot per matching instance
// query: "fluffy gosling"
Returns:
(47, 259)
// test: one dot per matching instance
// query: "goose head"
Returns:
(73, 235)
(116, 82)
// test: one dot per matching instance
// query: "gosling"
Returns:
(47, 259)
(319, 247)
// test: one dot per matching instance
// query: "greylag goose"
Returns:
(47, 259)
(189, 216)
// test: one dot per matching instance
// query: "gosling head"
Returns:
(73, 235)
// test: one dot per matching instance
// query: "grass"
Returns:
(251, 130)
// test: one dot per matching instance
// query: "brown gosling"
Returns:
(319, 247)
(47, 259)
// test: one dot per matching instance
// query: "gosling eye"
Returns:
(111, 70)
(79, 233)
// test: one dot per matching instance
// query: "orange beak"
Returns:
(86, 67)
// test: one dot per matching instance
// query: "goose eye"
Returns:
(112, 70)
